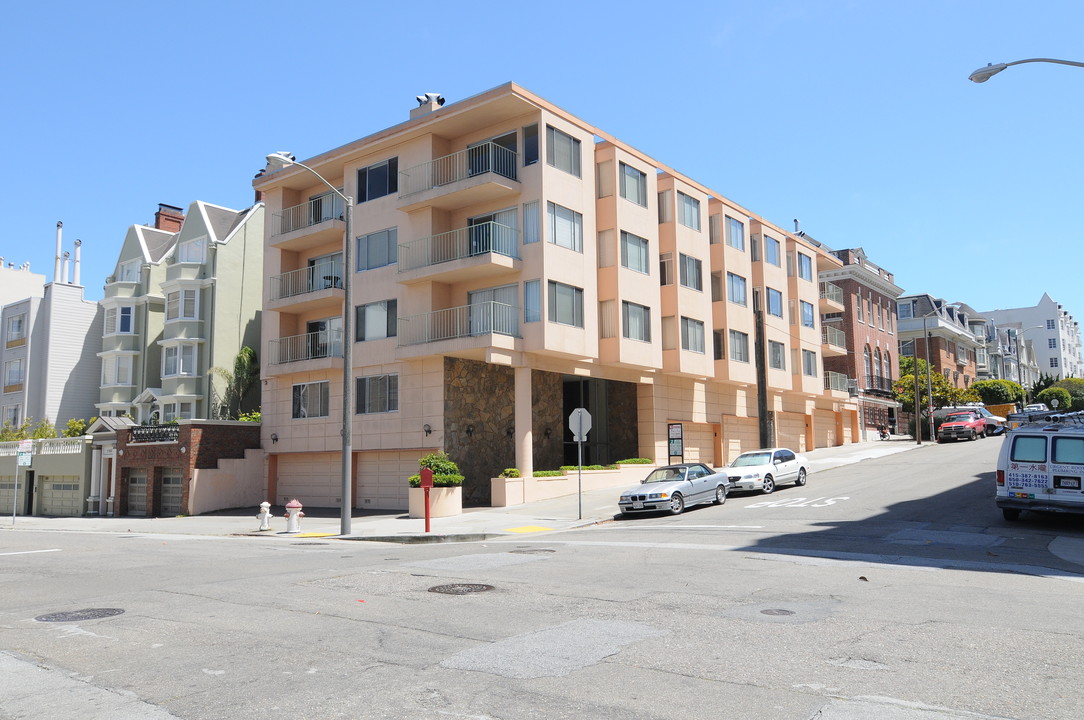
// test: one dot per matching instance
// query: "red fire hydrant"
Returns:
(293, 516)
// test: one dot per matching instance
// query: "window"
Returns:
(181, 304)
(310, 400)
(1052, 342)
(879, 316)
(377, 249)
(718, 344)
(633, 185)
(666, 269)
(861, 312)
(565, 304)
(128, 271)
(530, 223)
(376, 321)
(692, 335)
(771, 250)
(904, 310)
(179, 360)
(377, 394)
(735, 289)
(192, 251)
(1051, 325)
(907, 348)
(562, 151)
(532, 301)
(176, 411)
(735, 233)
(715, 231)
(1053, 362)
(119, 320)
(378, 180)
(117, 370)
(13, 372)
(716, 286)
(691, 272)
(1068, 450)
(688, 211)
(635, 321)
(530, 145)
(739, 346)
(566, 227)
(808, 318)
(805, 267)
(1029, 449)
(776, 355)
(775, 302)
(16, 327)
(634, 253)
(11, 415)
(809, 363)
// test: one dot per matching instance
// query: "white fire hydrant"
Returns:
(293, 516)
(265, 515)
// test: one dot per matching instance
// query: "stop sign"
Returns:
(579, 422)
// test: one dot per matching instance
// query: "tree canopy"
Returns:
(944, 393)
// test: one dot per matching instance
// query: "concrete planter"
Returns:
(443, 502)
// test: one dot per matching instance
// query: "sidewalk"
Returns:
(394, 526)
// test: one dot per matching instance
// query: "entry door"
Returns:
(496, 155)
(325, 337)
(171, 492)
(137, 492)
(493, 232)
(326, 272)
(486, 317)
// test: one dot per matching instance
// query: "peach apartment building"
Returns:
(512, 263)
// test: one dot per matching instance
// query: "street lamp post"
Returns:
(985, 73)
(929, 378)
(280, 160)
(1020, 358)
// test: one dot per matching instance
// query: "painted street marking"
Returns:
(30, 552)
(528, 529)
(798, 502)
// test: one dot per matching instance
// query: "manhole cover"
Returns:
(776, 611)
(532, 551)
(460, 588)
(77, 615)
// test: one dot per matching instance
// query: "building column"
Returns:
(108, 505)
(95, 479)
(524, 419)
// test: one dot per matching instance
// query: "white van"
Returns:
(1041, 466)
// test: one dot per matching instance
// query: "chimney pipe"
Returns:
(56, 260)
(64, 279)
(75, 279)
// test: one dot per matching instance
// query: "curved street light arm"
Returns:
(985, 73)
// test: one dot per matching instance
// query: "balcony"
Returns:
(831, 298)
(465, 331)
(153, 434)
(317, 222)
(879, 385)
(481, 250)
(321, 345)
(310, 288)
(833, 342)
(478, 174)
(836, 381)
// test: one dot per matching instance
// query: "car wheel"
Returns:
(801, 478)
(1010, 514)
(768, 486)
(720, 495)
(974, 435)
(677, 504)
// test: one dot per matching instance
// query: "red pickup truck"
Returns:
(960, 425)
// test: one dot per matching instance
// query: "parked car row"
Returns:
(673, 488)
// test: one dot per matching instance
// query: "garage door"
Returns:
(314, 479)
(790, 431)
(61, 495)
(137, 492)
(740, 434)
(172, 492)
(7, 494)
(824, 428)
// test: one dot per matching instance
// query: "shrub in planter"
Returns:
(548, 473)
(635, 461)
(569, 468)
(445, 471)
(510, 473)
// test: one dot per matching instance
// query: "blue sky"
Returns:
(855, 117)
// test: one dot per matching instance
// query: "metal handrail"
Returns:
(310, 346)
(487, 237)
(835, 381)
(475, 160)
(321, 208)
(322, 276)
(464, 321)
(834, 336)
(153, 433)
(831, 291)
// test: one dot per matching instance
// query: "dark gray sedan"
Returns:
(675, 487)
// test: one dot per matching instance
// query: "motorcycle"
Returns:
(883, 431)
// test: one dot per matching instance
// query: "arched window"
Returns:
(888, 367)
(869, 364)
(877, 367)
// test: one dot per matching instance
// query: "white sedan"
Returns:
(766, 469)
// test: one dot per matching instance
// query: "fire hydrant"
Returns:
(265, 515)
(293, 516)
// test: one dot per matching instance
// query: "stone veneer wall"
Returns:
(547, 394)
(621, 411)
(480, 396)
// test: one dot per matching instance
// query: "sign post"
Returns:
(676, 441)
(579, 422)
(427, 484)
(25, 452)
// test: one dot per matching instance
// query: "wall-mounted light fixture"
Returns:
(274, 438)
(428, 429)
(547, 433)
(510, 431)
(183, 449)
(470, 431)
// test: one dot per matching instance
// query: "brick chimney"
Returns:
(168, 218)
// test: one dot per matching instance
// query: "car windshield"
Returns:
(959, 417)
(754, 458)
(664, 475)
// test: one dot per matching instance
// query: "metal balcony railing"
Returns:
(475, 160)
(153, 434)
(470, 241)
(831, 291)
(458, 322)
(328, 206)
(834, 336)
(306, 280)
(835, 381)
(879, 382)
(310, 346)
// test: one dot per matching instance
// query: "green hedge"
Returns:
(548, 473)
(636, 461)
(438, 480)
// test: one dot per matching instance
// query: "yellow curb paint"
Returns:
(528, 529)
